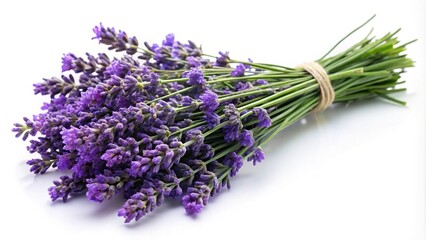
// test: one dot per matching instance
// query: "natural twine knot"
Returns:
(326, 90)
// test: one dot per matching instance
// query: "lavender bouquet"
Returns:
(167, 120)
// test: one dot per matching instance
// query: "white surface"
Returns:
(348, 173)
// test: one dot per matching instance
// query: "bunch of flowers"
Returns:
(169, 121)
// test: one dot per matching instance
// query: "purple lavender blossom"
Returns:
(104, 186)
(209, 178)
(94, 96)
(170, 39)
(118, 41)
(246, 138)
(232, 114)
(64, 188)
(196, 76)
(40, 166)
(260, 82)
(212, 119)
(98, 30)
(68, 61)
(257, 157)
(123, 126)
(154, 47)
(54, 86)
(189, 102)
(197, 138)
(210, 101)
(72, 138)
(141, 203)
(238, 71)
(118, 68)
(232, 129)
(41, 88)
(231, 132)
(196, 198)
(223, 60)
(263, 117)
(99, 191)
(124, 151)
(206, 152)
(28, 128)
(193, 62)
(234, 161)
(66, 161)
(141, 165)
(177, 51)
(240, 86)
(160, 157)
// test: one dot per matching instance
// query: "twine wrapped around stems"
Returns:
(326, 90)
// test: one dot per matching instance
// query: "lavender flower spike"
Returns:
(257, 157)
(234, 161)
(68, 61)
(104, 186)
(238, 71)
(262, 115)
(246, 138)
(196, 198)
(65, 187)
(196, 76)
(210, 101)
(140, 204)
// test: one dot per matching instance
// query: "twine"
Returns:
(326, 90)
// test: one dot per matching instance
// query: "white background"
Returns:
(355, 172)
